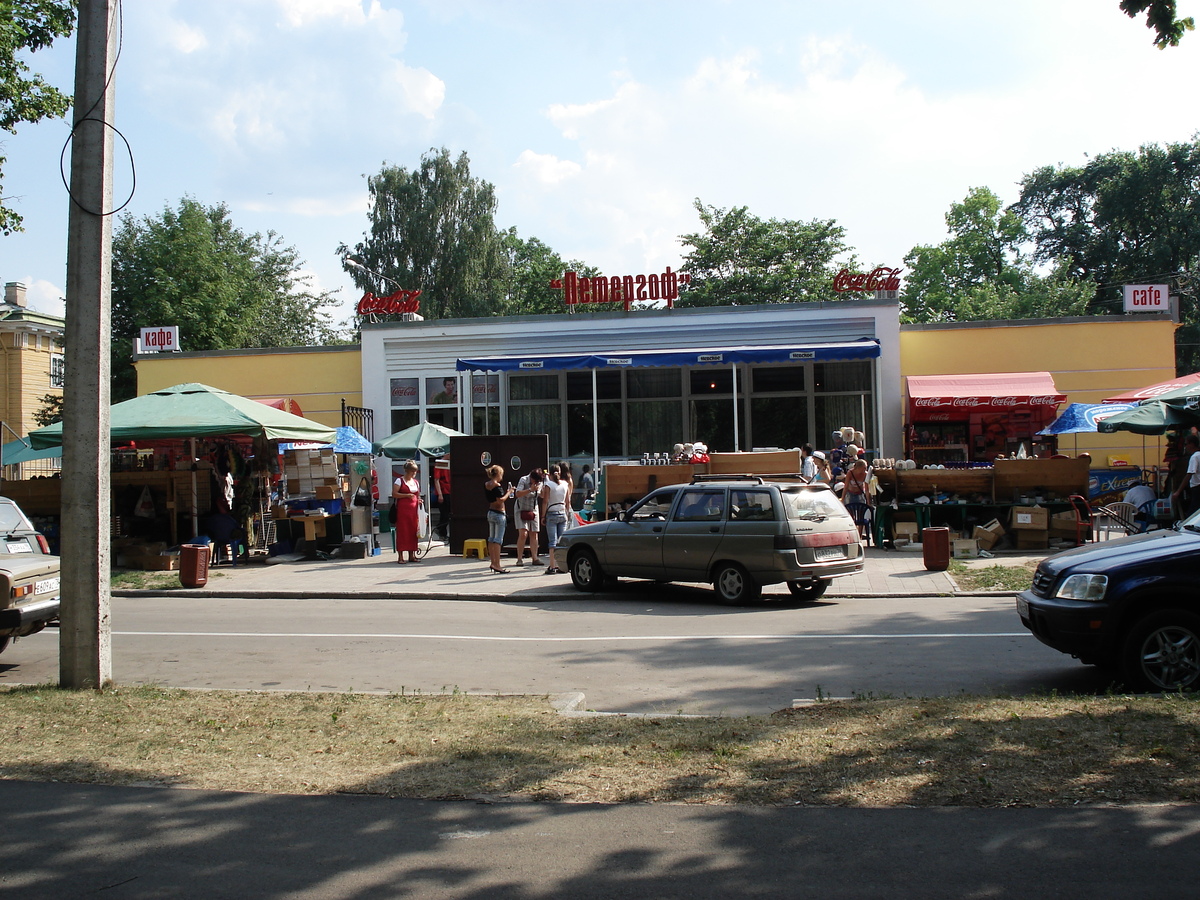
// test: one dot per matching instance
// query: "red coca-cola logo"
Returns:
(400, 302)
(881, 278)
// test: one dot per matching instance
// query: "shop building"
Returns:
(617, 385)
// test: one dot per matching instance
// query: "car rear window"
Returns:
(12, 519)
(808, 503)
(751, 506)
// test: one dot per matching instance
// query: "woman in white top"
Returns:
(554, 513)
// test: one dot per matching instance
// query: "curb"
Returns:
(496, 598)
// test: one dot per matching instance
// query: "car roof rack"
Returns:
(700, 479)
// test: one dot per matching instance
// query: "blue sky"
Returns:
(600, 122)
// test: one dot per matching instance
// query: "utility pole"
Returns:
(84, 644)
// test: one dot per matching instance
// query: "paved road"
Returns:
(127, 842)
(652, 650)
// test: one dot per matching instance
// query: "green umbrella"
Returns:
(196, 411)
(425, 438)
(19, 451)
(1151, 417)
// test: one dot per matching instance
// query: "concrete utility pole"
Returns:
(84, 648)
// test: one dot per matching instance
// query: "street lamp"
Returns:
(357, 263)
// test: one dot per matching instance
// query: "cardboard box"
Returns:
(326, 492)
(1063, 524)
(1033, 539)
(986, 538)
(1030, 518)
(966, 549)
(909, 531)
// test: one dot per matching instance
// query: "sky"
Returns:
(601, 123)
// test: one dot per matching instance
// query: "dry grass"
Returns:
(998, 577)
(1046, 751)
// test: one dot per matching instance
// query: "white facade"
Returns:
(647, 410)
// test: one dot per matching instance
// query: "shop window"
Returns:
(543, 418)
(608, 385)
(842, 376)
(857, 411)
(580, 432)
(654, 426)
(404, 418)
(712, 423)
(711, 380)
(485, 421)
(648, 384)
(533, 387)
(777, 379)
(442, 391)
(446, 417)
(779, 422)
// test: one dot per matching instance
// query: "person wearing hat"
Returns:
(821, 465)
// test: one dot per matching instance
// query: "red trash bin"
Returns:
(935, 548)
(193, 565)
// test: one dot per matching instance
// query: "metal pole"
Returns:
(595, 428)
(85, 652)
(737, 444)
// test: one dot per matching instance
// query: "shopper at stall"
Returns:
(807, 467)
(406, 495)
(856, 495)
(588, 482)
(1188, 492)
(528, 515)
(821, 467)
(555, 497)
(495, 493)
(564, 473)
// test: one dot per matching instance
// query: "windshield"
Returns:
(807, 504)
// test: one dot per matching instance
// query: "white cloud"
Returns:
(44, 296)
(545, 169)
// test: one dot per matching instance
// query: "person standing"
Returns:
(856, 494)
(807, 467)
(564, 473)
(821, 465)
(555, 499)
(528, 512)
(587, 482)
(1188, 491)
(441, 487)
(406, 495)
(495, 493)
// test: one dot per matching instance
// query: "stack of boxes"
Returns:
(313, 473)
(1031, 527)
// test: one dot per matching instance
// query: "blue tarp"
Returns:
(867, 348)
(1082, 418)
(346, 440)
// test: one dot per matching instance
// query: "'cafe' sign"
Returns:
(620, 288)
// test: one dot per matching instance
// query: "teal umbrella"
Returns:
(425, 439)
(1151, 417)
(15, 452)
(196, 411)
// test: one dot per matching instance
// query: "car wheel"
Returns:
(733, 584)
(4, 643)
(1162, 652)
(586, 573)
(808, 590)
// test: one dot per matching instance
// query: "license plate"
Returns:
(46, 586)
(20, 546)
(1022, 608)
(823, 553)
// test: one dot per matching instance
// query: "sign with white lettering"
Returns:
(1146, 298)
(163, 339)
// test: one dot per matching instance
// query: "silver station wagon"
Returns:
(736, 533)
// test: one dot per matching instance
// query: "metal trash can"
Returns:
(193, 565)
(935, 548)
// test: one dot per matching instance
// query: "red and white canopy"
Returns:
(1149, 393)
(934, 396)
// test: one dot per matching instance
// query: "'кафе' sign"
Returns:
(620, 288)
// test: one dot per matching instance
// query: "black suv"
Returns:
(1131, 604)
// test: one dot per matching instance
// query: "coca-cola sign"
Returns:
(983, 402)
(624, 289)
(401, 301)
(881, 278)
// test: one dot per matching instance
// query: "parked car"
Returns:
(737, 533)
(29, 576)
(1131, 604)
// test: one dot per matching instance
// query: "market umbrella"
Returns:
(425, 438)
(1184, 397)
(195, 411)
(1154, 417)
(19, 451)
(1155, 391)
(348, 440)
(1083, 418)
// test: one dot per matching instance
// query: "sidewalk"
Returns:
(888, 573)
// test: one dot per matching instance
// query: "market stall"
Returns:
(962, 419)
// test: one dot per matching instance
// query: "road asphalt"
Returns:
(887, 573)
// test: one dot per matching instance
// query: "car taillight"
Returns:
(43, 544)
(21, 590)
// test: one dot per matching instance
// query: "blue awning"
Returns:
(866, 348)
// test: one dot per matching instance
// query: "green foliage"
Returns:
(531, 266)
(740, 258)
(51, 410)
(1160, 16)
(225, 289)
(28, 25)
(433, 229)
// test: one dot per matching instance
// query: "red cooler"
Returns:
(935, 544)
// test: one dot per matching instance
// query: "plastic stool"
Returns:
(477, 547)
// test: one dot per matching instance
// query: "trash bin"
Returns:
(193, 565)
(935, 548)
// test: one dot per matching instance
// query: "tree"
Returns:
(51, 410)
(740, 258)
(531, 267)
(225, 289)
(433, 229)
(1124, 218)
(1160, 15)
(28, 25)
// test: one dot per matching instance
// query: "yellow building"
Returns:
(31, 344)
(1090, 358)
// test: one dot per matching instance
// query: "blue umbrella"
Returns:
(346, 440)
(1083, 418)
